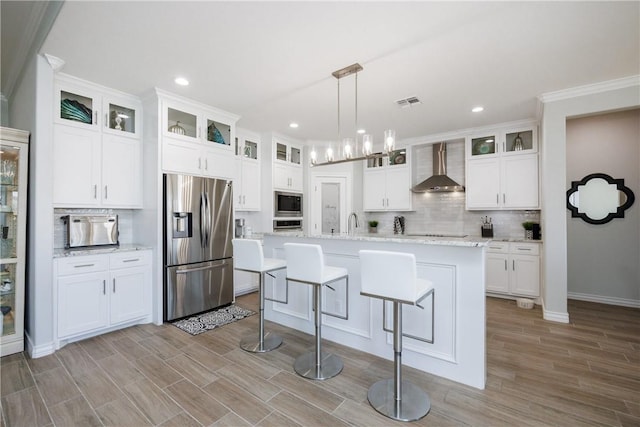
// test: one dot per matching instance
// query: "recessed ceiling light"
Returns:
(477, 109)
(293, 125)
(181, 81)
(361, 131)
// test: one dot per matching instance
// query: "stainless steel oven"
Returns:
(287, 224)
(287, 204)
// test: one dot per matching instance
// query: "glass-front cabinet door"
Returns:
(520, 141)
(76, 105)
(218, 133)
(122, 117)
(483, 146)
(13, 183)
(180, 123)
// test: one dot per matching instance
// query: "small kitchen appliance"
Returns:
(240, 228)
(82, 231)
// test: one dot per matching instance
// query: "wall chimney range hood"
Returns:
(439, 182)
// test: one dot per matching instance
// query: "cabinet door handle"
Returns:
(206, 164)
(497, 199)
(200, 163)
(114, 285)
(83, 265)
(95, 118)
(513, 265)
(95, 191)
(105, 192)
(504, 198)
(106, 120)
(524, 249)
(505, 265)
(104, 287)
(131, 260)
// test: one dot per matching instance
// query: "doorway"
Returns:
(329, 205)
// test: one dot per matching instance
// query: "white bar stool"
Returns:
(391, 276)
(248, 256)
(305, 264)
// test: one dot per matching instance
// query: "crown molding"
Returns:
(590, 89)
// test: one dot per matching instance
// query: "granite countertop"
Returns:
(470, 241)
(61, 252)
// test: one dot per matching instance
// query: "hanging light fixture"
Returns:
(348, 147)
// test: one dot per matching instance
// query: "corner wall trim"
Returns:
(625, 302)
(39, 351)
(554, 316)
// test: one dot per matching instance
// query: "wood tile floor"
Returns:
(539, 373)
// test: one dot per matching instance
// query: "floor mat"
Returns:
(212, 319)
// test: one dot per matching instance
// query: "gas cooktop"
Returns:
(438, 235)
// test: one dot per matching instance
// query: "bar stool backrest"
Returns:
(390, 275)
(305, 262)
(248, 254)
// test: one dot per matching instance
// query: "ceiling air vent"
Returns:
(408, 102)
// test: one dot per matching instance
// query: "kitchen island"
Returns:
(454, 265)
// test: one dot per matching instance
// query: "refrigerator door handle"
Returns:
(208, 267)
(203, 221)
(207, 231)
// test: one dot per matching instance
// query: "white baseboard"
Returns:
(625, 302)
(39, 351)
(554, 316)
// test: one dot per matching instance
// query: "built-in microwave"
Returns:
(287, 204)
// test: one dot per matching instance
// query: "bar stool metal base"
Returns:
(414, 403)
(330, 366)
(253, 345)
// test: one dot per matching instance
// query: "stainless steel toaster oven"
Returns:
(83, 231)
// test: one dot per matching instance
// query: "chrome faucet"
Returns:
(351, 230)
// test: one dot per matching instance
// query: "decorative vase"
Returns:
(528, 234)
(373, 229)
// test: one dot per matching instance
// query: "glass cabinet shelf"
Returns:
(74, 107)
(122, 118)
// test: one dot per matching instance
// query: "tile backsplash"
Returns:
(445, 213)
(125, 223)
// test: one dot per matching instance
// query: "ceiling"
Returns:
(271, 62)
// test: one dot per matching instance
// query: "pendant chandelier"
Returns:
(348, 151)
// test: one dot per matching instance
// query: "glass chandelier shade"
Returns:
(367, 145)
(389, 140)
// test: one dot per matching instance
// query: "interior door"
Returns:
(329, 206)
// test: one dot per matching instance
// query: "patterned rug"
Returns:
(212, 319)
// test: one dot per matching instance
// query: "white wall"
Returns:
(603, 261)
(609, 96)
(30, 109)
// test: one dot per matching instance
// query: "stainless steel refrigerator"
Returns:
(198, 263)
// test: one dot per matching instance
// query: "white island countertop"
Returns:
(470, 241)
(455, 266)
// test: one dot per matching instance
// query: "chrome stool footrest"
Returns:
(414, 403)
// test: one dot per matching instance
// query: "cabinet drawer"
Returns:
(498, 247)
(525, 248)
(82, 264)
(128, 259)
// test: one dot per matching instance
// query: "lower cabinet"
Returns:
(100, 292)
(513, 269)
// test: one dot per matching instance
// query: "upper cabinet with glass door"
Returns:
(193, 122)
(509, 141)
(287, 152)
(89, 106)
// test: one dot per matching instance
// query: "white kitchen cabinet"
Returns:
(503, 183)
(287, 152)
(502, 170)
(97, 159)
(387, 183)
(99, 293)
(287, 178)
(196, 138)
(513, 269)
(248, 186)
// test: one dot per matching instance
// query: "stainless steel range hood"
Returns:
(439, 182)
